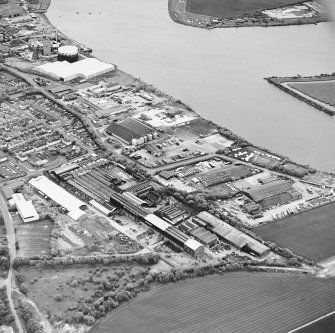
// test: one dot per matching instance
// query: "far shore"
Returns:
(178, 13)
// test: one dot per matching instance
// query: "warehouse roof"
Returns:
(129, 129)
(25, 208)
(261, 192)
(157, 222)
(233, 235)
(85, 68)
(59, 195)
(193, 244)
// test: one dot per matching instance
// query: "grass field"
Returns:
(232, 8)
(34, 238)
(310, 234)
(323, 91)
(234, 303)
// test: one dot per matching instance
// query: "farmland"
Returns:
(233, 8)
(310, 234)
(220, 304)
(324, 91)
(322, 326)
(34, 238)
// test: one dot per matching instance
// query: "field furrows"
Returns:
(235, 302)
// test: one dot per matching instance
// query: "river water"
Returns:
(218, 72)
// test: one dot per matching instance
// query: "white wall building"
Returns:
(25, 208)
(59, 195)
(83, 69)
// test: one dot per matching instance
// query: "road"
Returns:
(12, 254)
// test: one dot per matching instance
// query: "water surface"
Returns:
(218, 72)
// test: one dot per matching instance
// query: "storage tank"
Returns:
(134, 142)
(149, 137)
(68, 53)
(145, 139)
(155, 135)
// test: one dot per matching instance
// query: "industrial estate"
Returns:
(111, 188)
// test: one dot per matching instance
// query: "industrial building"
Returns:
(204, 236)
(132, 131)
(175, 236)
(25, 208)
(102, 208)
(232, 235)
(273, 193)
(82, 69)
(173, 214)
(229, 173)
(56, 193)
(252, 208)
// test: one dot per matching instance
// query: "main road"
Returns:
(12, 255)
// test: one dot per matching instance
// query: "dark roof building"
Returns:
(129, 129)
(233, 236)
(273, 193)
(204, 236)
(261, 192)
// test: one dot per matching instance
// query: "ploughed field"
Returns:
(323, 91)
(34, 238)
(232, 8)
(310, 234)
(326, 325)
(233, 302)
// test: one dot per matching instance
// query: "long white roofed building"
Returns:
(25, 208)
(59, 195)
(82, 69)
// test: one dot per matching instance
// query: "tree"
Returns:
(89, 320)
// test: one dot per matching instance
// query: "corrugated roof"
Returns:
(261, 192)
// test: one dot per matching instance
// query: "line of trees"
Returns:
(6, 318)
(143, 259)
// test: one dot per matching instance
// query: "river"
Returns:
(218, 72)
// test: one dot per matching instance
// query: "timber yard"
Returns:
(111, 188)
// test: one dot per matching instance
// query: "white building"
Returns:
(25, 208)
(83, 69)
(60, 196)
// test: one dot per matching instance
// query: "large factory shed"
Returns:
(177, 237)
(273, 193)
(83, 69)
(232, 235)
(25, 208)
(131, 131)
(59, 195)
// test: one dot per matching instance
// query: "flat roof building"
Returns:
(82, 69)
(60, 196)
(25, 208)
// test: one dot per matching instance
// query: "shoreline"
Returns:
(289, 160)
(280, 81)
(244, 21)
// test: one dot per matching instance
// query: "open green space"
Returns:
(323, 91)
(233, 302)
(310, 234)
(233, 8)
